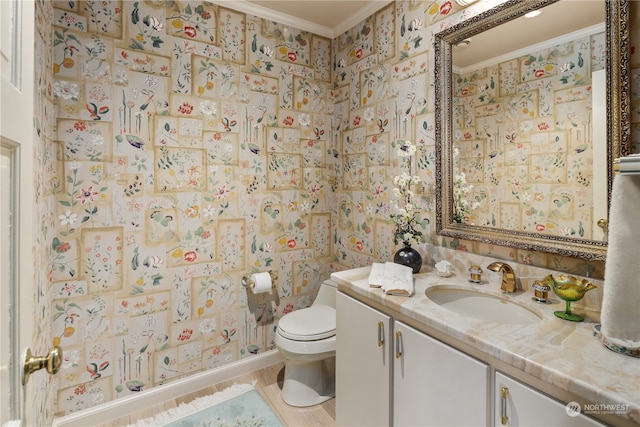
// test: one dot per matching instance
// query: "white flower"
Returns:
(244, 94)
(207, 326)
(406, 216)
(120, 77)
(68, 218)
(461, 192)
(268, 51)
(406, 148)
(120, 328)
(70, 358)
(304, 119)
(368, 115)
(416, 24)
(66, 90)
(209, 212)
(97, 140)
(526, 126)
(208, 108)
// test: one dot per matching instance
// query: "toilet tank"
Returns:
(327, 294)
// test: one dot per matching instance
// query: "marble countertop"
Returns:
(558, 352)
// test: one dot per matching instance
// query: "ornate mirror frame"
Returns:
(618, 126)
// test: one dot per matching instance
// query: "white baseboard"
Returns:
(119, 407)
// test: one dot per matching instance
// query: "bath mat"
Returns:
(238, 405)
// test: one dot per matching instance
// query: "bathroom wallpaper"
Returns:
(44, 221)
(523, 132)
(191, 146)
(181, 145)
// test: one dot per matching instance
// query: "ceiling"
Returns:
(331, 18)
(556, 21)
(328, 18)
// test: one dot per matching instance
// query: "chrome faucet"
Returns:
(508, 275)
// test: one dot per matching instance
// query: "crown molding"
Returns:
(365, 12)
(302, 24)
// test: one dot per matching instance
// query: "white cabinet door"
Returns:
(436, 385)
(521, 405)
(363, 367)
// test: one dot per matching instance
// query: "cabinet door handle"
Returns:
(504, 392)
(380, 334)
(398, 344)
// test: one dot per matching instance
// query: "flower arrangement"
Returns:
(406, 216)
(462, 207)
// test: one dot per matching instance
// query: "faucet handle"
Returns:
(475, 274)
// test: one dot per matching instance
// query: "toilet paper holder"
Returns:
(248, 283)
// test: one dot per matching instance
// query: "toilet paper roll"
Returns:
(261, 282)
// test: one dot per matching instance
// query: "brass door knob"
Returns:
(51, 362)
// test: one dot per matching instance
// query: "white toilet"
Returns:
(307, 340)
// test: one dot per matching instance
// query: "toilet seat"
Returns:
(309, 324)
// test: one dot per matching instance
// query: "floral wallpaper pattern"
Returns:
(534, 182)
(181, 145)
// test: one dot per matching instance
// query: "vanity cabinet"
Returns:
(363, 364)
(435, 384)
(388, 373)
(517, 404)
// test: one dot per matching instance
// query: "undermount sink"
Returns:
(481, 305)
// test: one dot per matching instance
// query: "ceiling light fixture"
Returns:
(462, 43)
(465, 3)
(533, 14)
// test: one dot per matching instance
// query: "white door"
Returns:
(363, 369)
(518, 405)
(450, 386)
(16, 267)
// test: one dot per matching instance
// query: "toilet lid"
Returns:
(309, 324)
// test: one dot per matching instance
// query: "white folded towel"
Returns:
(394, 279)
(398, 279)
(376, 275)
(620, 315)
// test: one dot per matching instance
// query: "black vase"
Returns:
(409, 257)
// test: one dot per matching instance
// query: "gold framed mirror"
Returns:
(520, 131)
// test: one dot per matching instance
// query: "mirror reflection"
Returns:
(525, 147)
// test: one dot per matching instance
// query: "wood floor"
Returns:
(268, 383)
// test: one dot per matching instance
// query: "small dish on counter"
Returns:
(443, 268)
